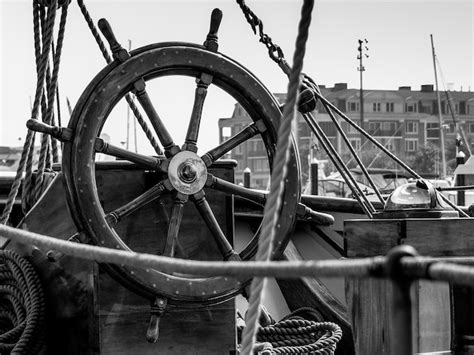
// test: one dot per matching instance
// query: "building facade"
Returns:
(403, 120)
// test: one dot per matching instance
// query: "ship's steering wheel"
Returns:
(185, 172)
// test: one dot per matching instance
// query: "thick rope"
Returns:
(296, 335)
(441, 269)
(34, 114)
(39, 28)
(51, 98)
(272, 207)
(148, 132)
(284, 269)
(22, 307)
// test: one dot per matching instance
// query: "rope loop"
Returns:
(22, 306)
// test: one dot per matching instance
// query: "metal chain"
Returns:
(274, 50)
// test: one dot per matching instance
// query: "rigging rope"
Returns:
(272, 207)
(29, 140)
(51, 98)
(128, 97)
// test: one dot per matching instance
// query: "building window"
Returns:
(389, 127)
(411, 145)
(411, 127)
(411, 107)
(470, 127)
(375, 127)
(389, 106)
(355, 143)
(376, 106)
(432, 130)
(353, 106)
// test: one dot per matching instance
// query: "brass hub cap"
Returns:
(187, 172)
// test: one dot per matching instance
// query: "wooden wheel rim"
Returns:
(88, 119)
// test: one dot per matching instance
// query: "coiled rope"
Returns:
(301, 332)
(22, 307)
(272, 207)
(301, 336)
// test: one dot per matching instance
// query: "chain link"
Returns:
(274, 50)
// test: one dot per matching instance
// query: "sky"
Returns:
(398, 35)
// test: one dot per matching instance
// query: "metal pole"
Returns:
(361, 90)
(440, 117)
(401, 332)
(460, 179)
(247, 173)
(314, 178)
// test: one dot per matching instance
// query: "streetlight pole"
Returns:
(361, 69)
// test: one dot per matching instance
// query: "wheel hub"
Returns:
(187, 172)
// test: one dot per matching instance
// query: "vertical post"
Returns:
(440, 117)
(314, 178)
(401, 331)
(247, 173)
(361, 69)
(460, 159)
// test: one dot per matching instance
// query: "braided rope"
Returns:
(44, 158)
(301, 336)
(39, 25)
(22, 306)
(148, 132)
(272, 207)
(45, 31)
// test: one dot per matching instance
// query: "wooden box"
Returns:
(91, 313)
(367, 299)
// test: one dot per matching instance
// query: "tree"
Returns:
(425, 159)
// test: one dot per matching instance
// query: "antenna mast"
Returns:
(361, 69)
(440, 117)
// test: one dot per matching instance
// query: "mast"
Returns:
(440, 117)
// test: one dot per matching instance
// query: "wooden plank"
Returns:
(370, 315)
(432, 310)
(124, 319)
(371, 237)
(441, 237)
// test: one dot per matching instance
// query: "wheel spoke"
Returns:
(247, 133)
(143, 160)
(174, 224)
(148, 196)
(223, 244)
(258, 197)
(194, 123)
(160, 129)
